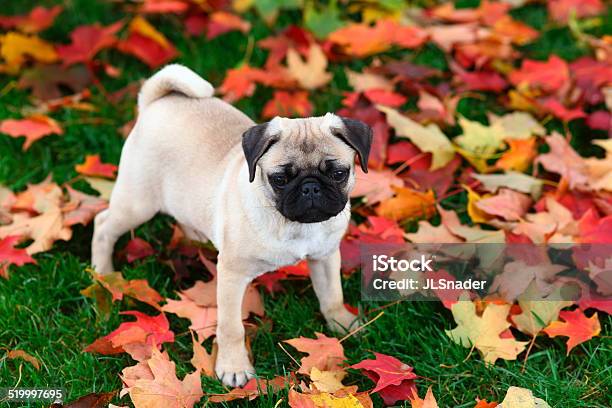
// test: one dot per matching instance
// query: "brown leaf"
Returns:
(93, 400)
(13, 354)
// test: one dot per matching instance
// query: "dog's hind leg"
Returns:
(123, 214)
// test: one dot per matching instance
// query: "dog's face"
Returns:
(307, 165)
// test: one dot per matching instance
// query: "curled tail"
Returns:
(174, 78)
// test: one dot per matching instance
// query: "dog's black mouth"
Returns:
(311, 215)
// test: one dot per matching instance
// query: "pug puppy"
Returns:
(266, 195)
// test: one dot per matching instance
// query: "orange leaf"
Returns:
(576, 326)
(361, 40)
(222, 22)
(520, 33)
(428, 402)
(34, 127)
(408, 204)
(485, 404)
(519, 156)
(94, 167)
(202, 360)
(288, 104)
(324, 353)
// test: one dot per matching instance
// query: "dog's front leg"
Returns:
(233, 367)
(326, 280)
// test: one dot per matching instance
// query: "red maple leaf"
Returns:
(147, 44)
(590, 77)
(164, 6)
(288, 104)
(87, 41)
(9, 255)
(595, 230)
(376, 230)
(555, 107)
(135, 337)
(547, 75)
(576, 326)
(292, 37)
(481, 81)
(137, 249)
(394, 379)
(271, 280)
(38, 19)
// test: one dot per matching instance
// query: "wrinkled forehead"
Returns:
(306, 143)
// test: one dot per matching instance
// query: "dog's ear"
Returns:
(358, 135)
(255, 143)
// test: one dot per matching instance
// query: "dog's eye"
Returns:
(278, 180)
(339, 175)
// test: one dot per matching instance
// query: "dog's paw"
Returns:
(342, 321)
(234, 372)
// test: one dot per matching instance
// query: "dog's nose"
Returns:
(311, 189)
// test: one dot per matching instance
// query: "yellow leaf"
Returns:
(327, 381)
(478, 139)
(475, 213)
(537, 311)
(483, 332)
(329, 401)
(517, 397)
(518, 125)
(15, 48)
(144, 28)
(427, 138)
(241, 6)
(310, 74)
(102, 186)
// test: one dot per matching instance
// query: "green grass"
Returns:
(43, 312)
